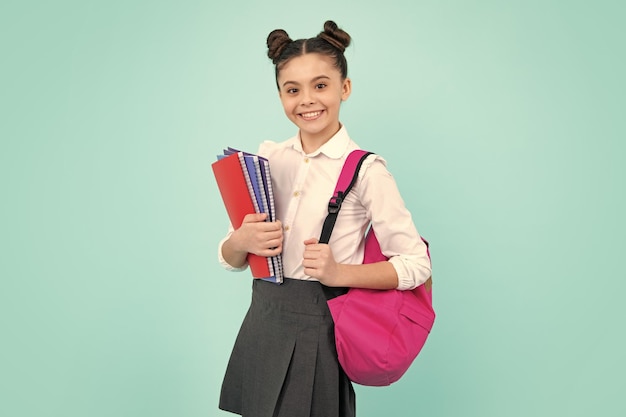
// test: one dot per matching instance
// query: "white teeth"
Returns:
(311, 115)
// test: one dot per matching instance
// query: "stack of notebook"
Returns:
(245, 184)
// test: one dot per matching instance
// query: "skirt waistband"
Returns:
(292, 296)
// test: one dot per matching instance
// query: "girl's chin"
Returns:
(324, 132)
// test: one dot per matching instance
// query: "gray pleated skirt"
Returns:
(284, 362)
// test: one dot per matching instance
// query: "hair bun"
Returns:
(277, 40)
(335, 36)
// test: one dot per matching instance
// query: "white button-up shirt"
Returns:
(304, 183)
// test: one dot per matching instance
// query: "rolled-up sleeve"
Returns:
(412, 271)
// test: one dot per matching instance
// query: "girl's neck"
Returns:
(311, 143)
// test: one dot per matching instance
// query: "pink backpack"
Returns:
(378, 333)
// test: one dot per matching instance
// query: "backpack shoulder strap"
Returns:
(347, 179)
(350, 170)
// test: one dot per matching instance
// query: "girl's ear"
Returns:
(346, 89)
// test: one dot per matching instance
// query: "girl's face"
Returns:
(311, 91)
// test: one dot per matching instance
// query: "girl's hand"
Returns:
(257, 236)
(319, 262)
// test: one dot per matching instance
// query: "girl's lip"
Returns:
(311, 115)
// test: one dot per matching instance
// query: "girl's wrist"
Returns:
(233, 253)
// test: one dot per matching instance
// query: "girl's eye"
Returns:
(320, 86)
(292, 90)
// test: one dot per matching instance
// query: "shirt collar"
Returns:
(335, 148)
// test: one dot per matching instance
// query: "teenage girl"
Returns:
(284, 362)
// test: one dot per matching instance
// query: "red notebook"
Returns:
(238, 202)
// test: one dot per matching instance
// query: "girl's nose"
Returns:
(307, 99)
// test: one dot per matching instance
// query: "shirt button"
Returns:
(306, 160)
(296, 194)
(286, 228)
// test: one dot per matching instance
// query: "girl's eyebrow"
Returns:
(319, 77)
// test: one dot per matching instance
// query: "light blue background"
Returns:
(503, 123)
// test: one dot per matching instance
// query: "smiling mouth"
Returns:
(311, 115)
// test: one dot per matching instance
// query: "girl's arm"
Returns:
(396, 232)
(379, 275)
(408, 265)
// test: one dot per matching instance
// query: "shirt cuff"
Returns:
(410, 278)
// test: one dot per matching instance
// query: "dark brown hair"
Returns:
(331, 42)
